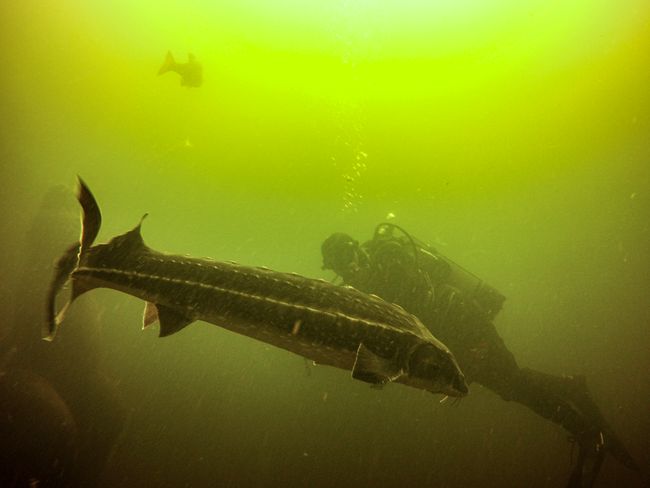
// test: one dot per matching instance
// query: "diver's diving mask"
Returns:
(341, 254)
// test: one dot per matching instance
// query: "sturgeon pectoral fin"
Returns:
(170, 320)
(150, 315)
(371, 368)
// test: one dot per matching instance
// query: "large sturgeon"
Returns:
(329, 324)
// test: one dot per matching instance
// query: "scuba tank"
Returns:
(442, 270)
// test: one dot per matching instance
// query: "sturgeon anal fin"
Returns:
(150, 315)
(371, 368)
(171, 321)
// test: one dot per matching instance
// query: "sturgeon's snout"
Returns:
(460, 385)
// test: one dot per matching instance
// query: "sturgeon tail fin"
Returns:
(91, 220)
(168, 65)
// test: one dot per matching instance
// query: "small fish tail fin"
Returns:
(168, 65)
(91, 220)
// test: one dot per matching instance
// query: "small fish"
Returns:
(191, 72)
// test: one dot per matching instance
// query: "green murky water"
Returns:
(513, 137)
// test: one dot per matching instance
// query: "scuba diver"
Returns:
(459, 309)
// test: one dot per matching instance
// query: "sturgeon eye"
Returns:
(427, 368)
(431, 367)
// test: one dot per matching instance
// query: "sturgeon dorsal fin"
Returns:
(170, 320)
(371, 368)
(129, 241)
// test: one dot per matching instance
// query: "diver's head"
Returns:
(343, 255)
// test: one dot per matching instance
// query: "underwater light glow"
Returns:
(481, 84)
(375, 49)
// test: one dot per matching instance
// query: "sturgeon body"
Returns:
(329, 324)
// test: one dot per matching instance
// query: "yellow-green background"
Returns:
(511, 135)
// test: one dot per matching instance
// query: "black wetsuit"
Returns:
(451, 316)
(396, 272)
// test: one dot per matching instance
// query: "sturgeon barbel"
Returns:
(329, 324)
